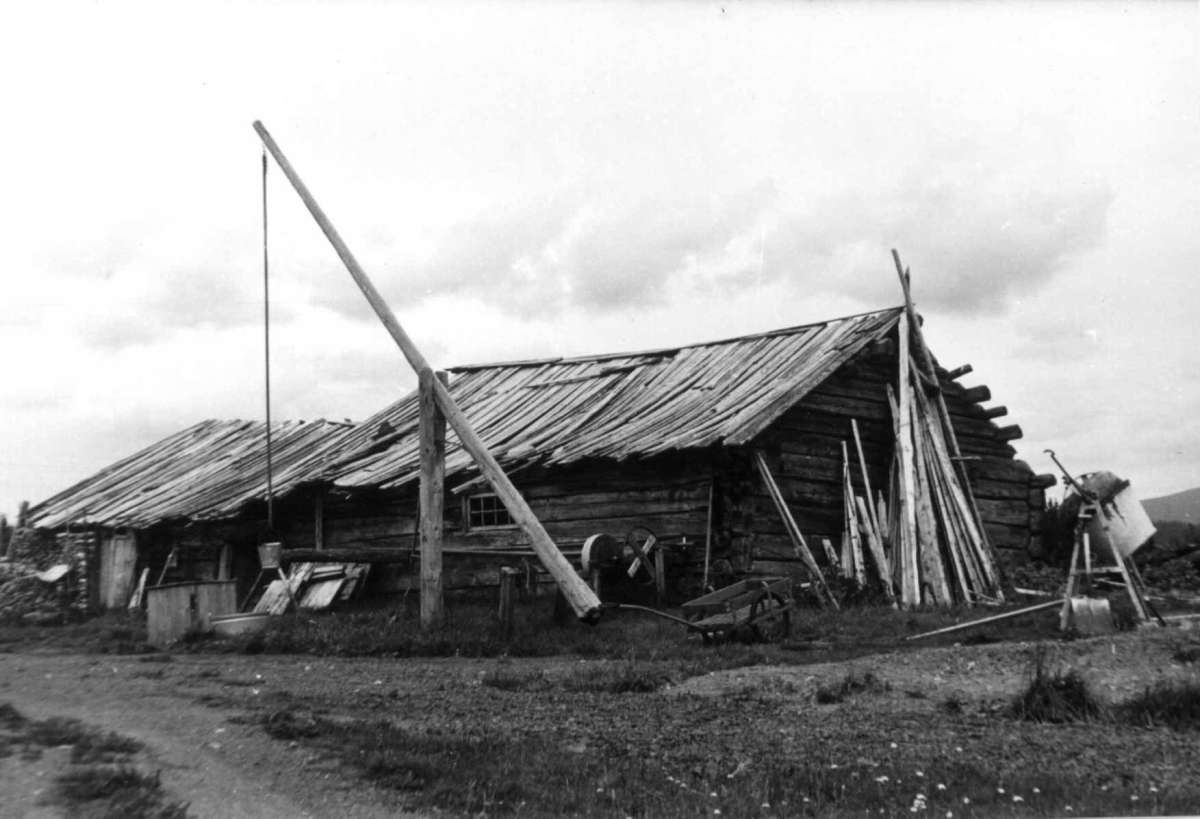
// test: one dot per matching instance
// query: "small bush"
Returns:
(508, 679)
(856, 682)
(106, 791)
(287, 725)
(10, 718)
(953, 705)
(1059, 696)
(627, 678)
(1175, 706)
(1187, 654)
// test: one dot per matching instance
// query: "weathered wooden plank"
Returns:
(432, 432)
(910, 590)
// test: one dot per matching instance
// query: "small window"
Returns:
(484, 511)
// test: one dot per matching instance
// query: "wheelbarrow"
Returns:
(750, 609)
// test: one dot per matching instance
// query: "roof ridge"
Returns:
(661, 352)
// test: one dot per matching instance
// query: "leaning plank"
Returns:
(882, 568)
(993, 619)
(852, 523)
(910, 592)
(320, 595)
(933, 572)
(830, 554)
(280, 594)
(135, 600)
(581, 598)
(793, 531)
(862, 465)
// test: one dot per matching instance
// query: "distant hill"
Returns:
(1182, 506)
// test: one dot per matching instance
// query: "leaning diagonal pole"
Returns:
(578, 594)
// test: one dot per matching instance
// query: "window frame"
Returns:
(497, 510)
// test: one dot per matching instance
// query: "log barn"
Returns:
(660, 441)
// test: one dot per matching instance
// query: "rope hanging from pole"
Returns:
(267, 350)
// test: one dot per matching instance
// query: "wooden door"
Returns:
(118, 559)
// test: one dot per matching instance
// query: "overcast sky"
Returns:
(533, 180)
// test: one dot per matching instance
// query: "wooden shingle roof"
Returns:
(207, 471)
(618, 406)
(547, 412)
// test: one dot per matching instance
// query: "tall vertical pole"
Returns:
(432, 435)
(267, 350)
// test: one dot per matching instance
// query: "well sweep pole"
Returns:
(582, 599)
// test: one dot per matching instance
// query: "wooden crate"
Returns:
(174, 609)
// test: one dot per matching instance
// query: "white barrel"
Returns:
(1122, 525)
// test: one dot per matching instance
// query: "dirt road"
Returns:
(201, 716)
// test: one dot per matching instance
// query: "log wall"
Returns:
(804, 451)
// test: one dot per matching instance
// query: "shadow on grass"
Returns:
(1170, 705)
(99, 782)
(856, 682)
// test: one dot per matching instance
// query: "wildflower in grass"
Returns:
(966, 800)
(999, 790)
(894, 745)
(1018, 798)
(1153, 789)
(833, 766)
(941, 787)
(958, 749)
(1036, 789)
(713, 794)
(920, 773)
(766, 805)
(881, 779)
(1133, 797)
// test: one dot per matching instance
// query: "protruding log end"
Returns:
(883, 347)
(959, 372)
(1043, 481)
(976, 395)
(592, 616)
(995, 412)
(1010, 433)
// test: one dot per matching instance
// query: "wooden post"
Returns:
(432, 432)
(319, 519)
(508, 582)
(583, 601)
(708, 534)
(660, 576)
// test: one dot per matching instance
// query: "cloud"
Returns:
(146, 304)
(979, 235)
(592, 250)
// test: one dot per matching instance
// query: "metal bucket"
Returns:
(1090, 616)
(269, 554)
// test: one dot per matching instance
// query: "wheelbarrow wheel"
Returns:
(771, 619)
